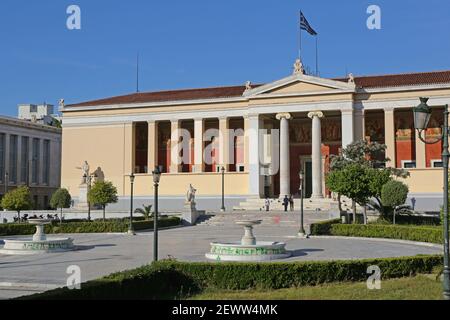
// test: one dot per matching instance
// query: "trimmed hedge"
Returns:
(174, 280)
(115, 225)
(412, 233)
(323, 228)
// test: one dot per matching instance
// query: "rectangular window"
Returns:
(46, 169)
(437, 164)
(408, 164)
(24, 155)
(13, 159)
(35, 161)
(2, 156)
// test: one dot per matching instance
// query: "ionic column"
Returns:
(199, 125)
(152, 158)
(285, 176)
(253, 147)
(348, 134)
(175, 146)
(316, 154)
(224, 143)
(389, 136)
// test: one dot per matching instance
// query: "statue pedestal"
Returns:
(82, 197)
(190, 214)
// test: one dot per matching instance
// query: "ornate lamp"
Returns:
(156, 175)
(422, 115)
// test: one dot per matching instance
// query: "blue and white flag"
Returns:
(304, 25)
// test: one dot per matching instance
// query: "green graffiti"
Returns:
(233, 251)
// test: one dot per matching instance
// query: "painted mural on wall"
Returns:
(301, 131)
(374, 129)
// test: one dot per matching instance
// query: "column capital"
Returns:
(284, 115)
(314, 114)
(389, 109)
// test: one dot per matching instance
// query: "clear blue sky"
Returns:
(185, 44)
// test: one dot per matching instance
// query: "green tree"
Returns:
(17, 200)
(103, 193)
(371, 155)
(61, 199)
(352, 181)
(146, 211)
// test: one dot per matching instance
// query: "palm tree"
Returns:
(146, 211)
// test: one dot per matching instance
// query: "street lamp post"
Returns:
(130, 228)
(223, 189)
(422, 116)
(302, 232)
(156, 179)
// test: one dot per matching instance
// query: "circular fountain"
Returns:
(248, 249)
(38, 244)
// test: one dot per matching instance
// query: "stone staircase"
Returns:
(254, 204)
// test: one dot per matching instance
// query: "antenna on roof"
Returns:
(137, 73)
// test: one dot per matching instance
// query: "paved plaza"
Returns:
(101, 254)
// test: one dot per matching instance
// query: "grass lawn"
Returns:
(422, 287)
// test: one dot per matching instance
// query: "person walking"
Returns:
(286, 203)
(267, 204)
(291, 202)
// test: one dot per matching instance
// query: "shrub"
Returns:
(323, 228)
(173, 280)
(394, 193)
(118, 225)
(422, 234)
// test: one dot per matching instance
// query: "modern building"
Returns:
(276, 129)
(30, 154)
(40, 113)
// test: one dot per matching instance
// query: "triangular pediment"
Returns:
(301, 84)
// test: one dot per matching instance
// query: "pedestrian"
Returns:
(291, 202)
(286, 203)
(267, 204)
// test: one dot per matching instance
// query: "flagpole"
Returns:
(300, 38)
(317, 55)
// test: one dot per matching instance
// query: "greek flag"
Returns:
(304, 25)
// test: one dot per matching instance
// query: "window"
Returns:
(46, 168)
(13, 158)
(24, 154)
(437, 164)
(408, 164)
(2, 156)
(35, 161)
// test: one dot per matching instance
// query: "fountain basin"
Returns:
(30, 247)
(236, 251)
(38, 244)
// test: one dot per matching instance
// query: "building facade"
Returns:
(265, 134)
(30, 154)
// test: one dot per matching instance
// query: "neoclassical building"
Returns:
(266, 134)
(30, 155)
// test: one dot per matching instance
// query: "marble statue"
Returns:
(85, 168)
(190, 197)
(298, 67)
